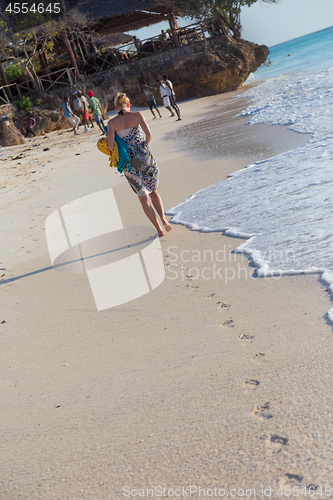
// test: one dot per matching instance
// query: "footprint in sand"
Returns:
(259, 357)
(209, 295)
(245, 336)
(262, 411)
(277, 441)
(297, 477)
(252, 382)
(228, 323)
(192, 287)
(221, 304)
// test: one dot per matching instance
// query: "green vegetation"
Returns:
(24, 104)
(13, 71)
(222, 15)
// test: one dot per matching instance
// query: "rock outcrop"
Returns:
(194, 71)
(9, 134)
(46, 120)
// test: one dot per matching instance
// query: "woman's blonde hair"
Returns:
(121, 100)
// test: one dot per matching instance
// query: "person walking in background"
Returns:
(149, 93)
(171, 94)
(30, 124)
(95, 105)
(140, 170)
(77, 104)
(67, 112)
(86, 116)
(165, 97)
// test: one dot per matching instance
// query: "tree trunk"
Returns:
(80, 44)
(37, 80)
(65, 39)
(173, 26)
(235, 24)
(35, 83)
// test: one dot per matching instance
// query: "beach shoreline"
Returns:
(214, 379)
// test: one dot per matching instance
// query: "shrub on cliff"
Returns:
(224, 14)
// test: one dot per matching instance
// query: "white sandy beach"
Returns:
(215, 383)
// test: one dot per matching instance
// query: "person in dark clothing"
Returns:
(137, 43)
(149, 93)
(30, 124)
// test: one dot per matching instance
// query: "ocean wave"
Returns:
(283, 205)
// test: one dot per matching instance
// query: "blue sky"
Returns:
(271, 24)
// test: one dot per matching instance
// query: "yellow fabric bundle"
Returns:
(102, 145)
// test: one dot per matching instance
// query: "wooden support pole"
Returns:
(205, 50)
(69, 76)
(18, 90)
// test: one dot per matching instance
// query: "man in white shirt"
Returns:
(168, 87)
(166, 95)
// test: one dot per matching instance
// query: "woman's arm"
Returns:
(145, 128)
(111, 133)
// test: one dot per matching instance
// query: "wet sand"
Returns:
(221, 134)
(213, 380)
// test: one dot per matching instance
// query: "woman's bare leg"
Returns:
(158, 205)
(149, 211)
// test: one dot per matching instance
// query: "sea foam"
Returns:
(283, 205)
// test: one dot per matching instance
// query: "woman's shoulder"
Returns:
(139, 115)
(113, 121)
(134, 118)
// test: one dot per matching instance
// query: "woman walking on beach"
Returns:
(142, 176)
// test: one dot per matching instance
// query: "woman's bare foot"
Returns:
(167, 226)
(160, 233)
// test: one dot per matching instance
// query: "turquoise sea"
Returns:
(310, 52)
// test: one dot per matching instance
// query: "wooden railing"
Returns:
(186, 35)
(66, 76)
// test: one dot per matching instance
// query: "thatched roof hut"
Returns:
(112, 40)
(116, 16)
(107, 16)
